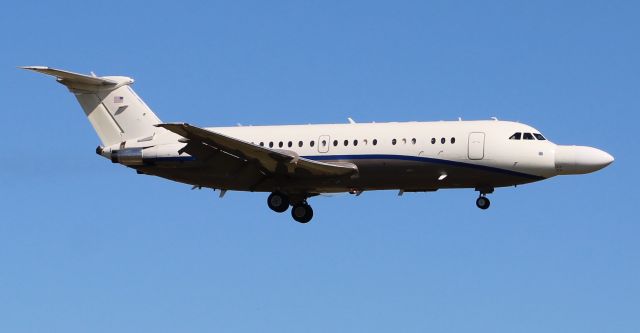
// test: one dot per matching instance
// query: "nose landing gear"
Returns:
(483, 202)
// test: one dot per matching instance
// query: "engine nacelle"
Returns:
(161, 155)
(128, 156)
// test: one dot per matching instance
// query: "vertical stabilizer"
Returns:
(115, 111)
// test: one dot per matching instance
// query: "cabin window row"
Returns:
(414, 141)
(312, 143)
(355, 142)
(526, 136)
(324, 143)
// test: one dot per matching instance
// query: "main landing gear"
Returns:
(278, 202)
(300, 211)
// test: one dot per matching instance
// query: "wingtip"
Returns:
(33, 68)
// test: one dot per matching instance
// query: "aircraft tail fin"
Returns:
(115, 111)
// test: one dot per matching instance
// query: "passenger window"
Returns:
(335, 143)
(516, 136)
(290, 144)
(261, 144)
(527, 136)
(271, 144)
(299, 143)
(443, 140)
(375, 142)
(413, 141)
(280, 144)
(404, 141)
(453, 140)
(433, 141)
(313, 143)
(355, 142)
(346, 143)
(539, 136)
(366, 142)
(324, 143)
(394, 141)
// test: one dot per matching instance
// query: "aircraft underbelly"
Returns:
(373, 174)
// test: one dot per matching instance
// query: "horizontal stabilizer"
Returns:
(273, 161)
(71, 77)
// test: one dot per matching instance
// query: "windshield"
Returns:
(527, 136)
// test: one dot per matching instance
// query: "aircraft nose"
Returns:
(580, 159)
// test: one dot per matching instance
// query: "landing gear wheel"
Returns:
(483, 202)
(302, 212)
(278, 202)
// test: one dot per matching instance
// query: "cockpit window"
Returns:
(527, 136)
(539, 136)
(516, 136)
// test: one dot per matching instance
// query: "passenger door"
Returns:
(476, 146)
(323, 143)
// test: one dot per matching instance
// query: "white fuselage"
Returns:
(412, 156)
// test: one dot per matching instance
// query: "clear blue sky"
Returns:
(88, 246)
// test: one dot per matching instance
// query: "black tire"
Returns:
(278, 202)
(302, 213)
(483, 202)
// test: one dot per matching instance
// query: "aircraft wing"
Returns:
(283, 162)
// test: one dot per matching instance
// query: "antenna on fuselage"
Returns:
(351, 121)
(494, 118)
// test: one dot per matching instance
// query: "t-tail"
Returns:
(115, 111)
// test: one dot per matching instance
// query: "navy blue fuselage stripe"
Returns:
(424, 160)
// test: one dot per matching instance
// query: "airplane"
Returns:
(296, 162)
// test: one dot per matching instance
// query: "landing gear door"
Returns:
(476, 146)
(323, 144)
